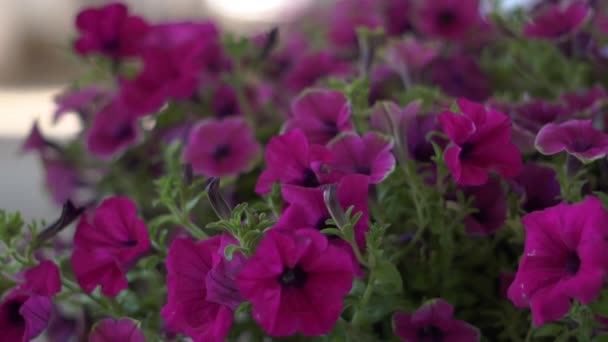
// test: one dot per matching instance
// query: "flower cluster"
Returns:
(373, 170)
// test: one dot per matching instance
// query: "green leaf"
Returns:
(387, 278)
(11, 225)
(230, 250)
(548, 330)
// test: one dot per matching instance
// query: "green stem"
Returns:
(358, 316)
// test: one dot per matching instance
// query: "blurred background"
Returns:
(35, 64)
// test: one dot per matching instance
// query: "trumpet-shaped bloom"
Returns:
(481, 142)
(114, 129)
(107, 243)
(490, 201)
(449, 19)
(202, 290)
(110, 329)
(539, 186)
(369, 155)
(577, 137)
(109, 30)
(564, 258)
(296, 282)
(290, 159)
(321, 115)
(42, 279)
(221, 147)
(433, 321)
(557, 20)
(23, 315)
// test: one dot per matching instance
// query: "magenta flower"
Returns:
(306, 70)
(290, 159)
(410, 54)
(481, 142)
(225, 102)
(564, 258)
(433, 321)
(202, 293)
(109, 30)
(81, 101)
(110, 329)
(588, 99)
(62, 180)
(296, 282)
(321, 115)
(114, 129)
(461, 76)
(529, 117)
(307, 209)
(577, 137)
(221, 147)
(396, 16)
(490, 200)
(347, 16)
(35, 141)
(43, 279)
(539, 186)
(558, 20)
(106, 244)
(448, 19)
(23, 316)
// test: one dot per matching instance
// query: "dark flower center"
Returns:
(221, 151)
(580, 145)
(293, 277)
(481, 216)
(320, 225)
(331, 128)
(130, 243)
(309, 179)
(12, 313)
(123, 132)
(466, 151)
(364, 169)
(573, 263)
(431, 333)
(111, 45)
(446, 17)
(226, 109)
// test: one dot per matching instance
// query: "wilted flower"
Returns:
(490, 201)
(296, 282)
(321, 115)
(557, 20)
(106, 244)
(577, 137)
(114, 129)
(433, 321)
(109, 30)
(481, 142)
(110, 329)
(201, 286)
(449, 19)
(291, 160)
(564, 258)
(221, 147)
(369, 155)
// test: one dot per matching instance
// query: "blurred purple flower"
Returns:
(577, 137)
(306, 70)
(490, 200)
(321, 114)
(62, 179)
(448, 19)
(461, 76)
(349, 15)
(114, 129)
(81, 101)
(225, 101)
(110, 329)
(433, 321)
(538, 186)
(558, 20)
(221, 147)
(397, 16)
(34, 141)
(109, 30)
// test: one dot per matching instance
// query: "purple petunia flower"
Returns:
(290, 159)
(225, 102)
(577, 137)
(481, 142)
(110, 329)
(26, 310)
(201, 286)
(409, 54)
(62, 180)
(296, 282)
(448, 19)
(461, 76)
(490, 200)
(347, 16)
(310, 68)
(584, 100)
(307, 209)
(109, 30)
(529, 117)
(396, 16)
(564, 258)
(321, 115)
(106, 244)
(35, 141)
(539, 186)
(221, 147)
(433, 321)
(81, 101)
(369, 155)
(557, 20)
(114, 129)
